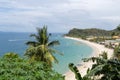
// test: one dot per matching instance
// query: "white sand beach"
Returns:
(97, 49)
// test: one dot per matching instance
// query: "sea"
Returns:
(73, 51)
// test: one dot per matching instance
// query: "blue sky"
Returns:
(58, 15)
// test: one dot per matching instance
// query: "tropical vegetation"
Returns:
(13, 67)
(116, 54)
(38, 63)
(93, 32)
(40, 56)
(102, 69)
(41, 48)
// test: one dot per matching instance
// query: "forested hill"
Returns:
(91, 32)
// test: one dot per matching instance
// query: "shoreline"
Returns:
(97, 50)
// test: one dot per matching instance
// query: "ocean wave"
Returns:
(11, 40)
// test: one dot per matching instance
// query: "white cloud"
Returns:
(112, 18)
(60, 16)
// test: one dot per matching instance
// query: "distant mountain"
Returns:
(91, 32)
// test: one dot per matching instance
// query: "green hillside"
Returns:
(91, 32)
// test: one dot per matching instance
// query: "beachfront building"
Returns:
(90, 38)
(116, 37)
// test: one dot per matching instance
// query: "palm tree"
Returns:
(104, 69)
(75, 70)
(41, 48)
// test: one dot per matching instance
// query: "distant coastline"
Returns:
(97, 49)
(84, 33)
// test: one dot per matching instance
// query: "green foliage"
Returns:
(88, 32)
(41, 48)
(104, 55)
(108, 69)
(117, 52)
(102, 69)
(12, 67)
(118, 27)
(74, 69)
(11, 55)
(113, 34)
(94, 32)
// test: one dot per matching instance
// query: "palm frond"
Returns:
(74, 69)
(43, 35)
(31, 43)
(55, 51)
(37, 37)
(98, 60)
(93, 59)
(55, 59)
(94, 71)
(41, 49)
(53, 43)
(114, 62)
(30, 52)
(33, 35)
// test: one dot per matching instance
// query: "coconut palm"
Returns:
(41, 48)
(104, 69)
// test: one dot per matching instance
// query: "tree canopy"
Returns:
(41, 48)
(13, 67)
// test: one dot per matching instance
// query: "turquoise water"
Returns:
(73, 51)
